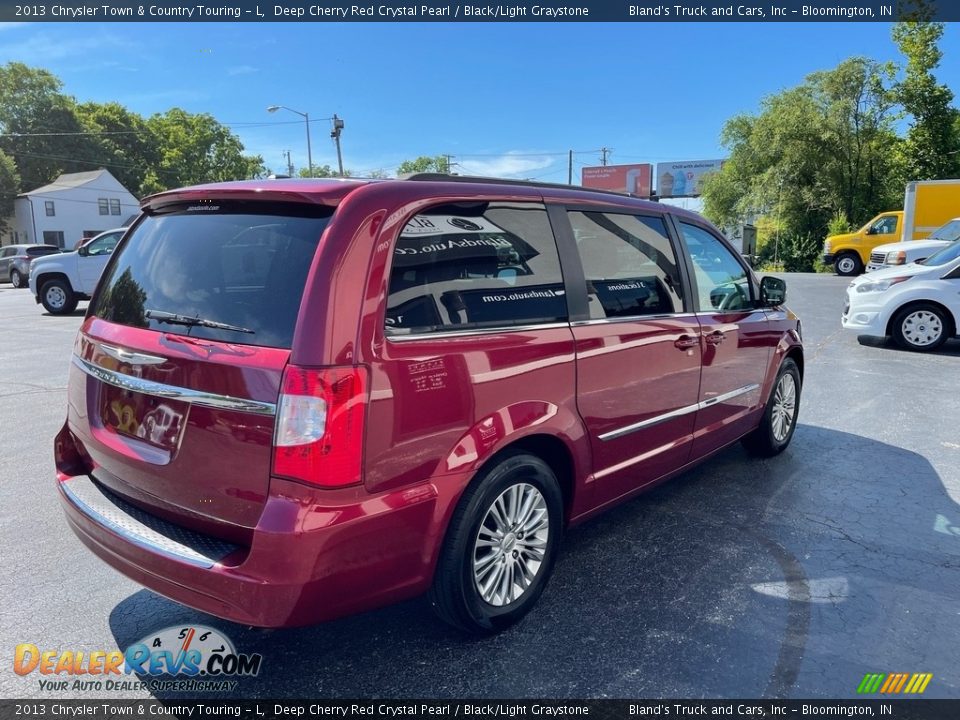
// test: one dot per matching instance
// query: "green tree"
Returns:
(424, 164)
(323, 171)
(39, 127)
(123, 142)
(825, 146)
(9, 187)
(932, 136)
(195, 148)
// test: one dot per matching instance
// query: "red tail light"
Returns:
(320, 425)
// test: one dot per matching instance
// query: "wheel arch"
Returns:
(53, 275)
(923, 301)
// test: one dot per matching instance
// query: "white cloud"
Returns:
(44, 47)
(242, 70)
(510, 164)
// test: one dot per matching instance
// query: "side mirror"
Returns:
(83, 251)
(919, 261)
(871, 231)
(773, 292)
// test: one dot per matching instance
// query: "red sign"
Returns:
(632, 179)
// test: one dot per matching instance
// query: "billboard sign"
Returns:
(684, 178)
(633, 179)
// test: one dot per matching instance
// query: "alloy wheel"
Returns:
(784, 407)
(511, 543)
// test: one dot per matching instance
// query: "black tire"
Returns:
(455, 595)
(915, 327)
(847, 264)
(769, 439)
(58, 297)
(16, 279)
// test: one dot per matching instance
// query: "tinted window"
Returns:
(483, 266)
(41, 250)
(103, 245)
(722, 283)
(244, 265)
(630, 266)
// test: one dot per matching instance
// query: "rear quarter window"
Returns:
(242, 264)
(488, 266)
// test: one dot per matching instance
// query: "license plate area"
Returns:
(157, 421)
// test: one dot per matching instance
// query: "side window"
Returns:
(487, 266)
(629, 264)
(722, 283)
(103, 246)
(885, 225)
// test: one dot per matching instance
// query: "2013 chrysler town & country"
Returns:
(293, 400)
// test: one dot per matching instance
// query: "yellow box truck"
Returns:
(927, 205)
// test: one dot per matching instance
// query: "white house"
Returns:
(74, 206)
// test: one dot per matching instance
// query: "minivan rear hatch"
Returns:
(178, 366)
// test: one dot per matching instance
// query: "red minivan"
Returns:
(295, 399)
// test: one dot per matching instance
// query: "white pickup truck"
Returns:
(61, 281)
(904, 253)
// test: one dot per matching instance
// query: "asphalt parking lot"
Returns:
(790, 577)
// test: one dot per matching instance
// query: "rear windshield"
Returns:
(38, 251)
(237, 264)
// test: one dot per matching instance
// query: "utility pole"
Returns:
(289, 163)
(570, 168)
(449, 166)
(604, 151)
(335, 134)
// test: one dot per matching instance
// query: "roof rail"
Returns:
(443, 177)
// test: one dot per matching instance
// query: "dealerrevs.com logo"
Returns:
(192, 658)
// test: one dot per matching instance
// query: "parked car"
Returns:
(918, 304)
(61, 282)
(15, 261)
(295, 399)
(904, 253)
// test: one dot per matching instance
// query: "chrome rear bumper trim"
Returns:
(142, 529)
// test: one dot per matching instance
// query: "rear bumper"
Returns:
(307, 562)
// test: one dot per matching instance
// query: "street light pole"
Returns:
(306, 118)
(335, 134)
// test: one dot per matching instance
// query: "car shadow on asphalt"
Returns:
(951, 348)
(741, 578)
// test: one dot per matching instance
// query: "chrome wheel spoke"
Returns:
(511, 544)
(784, 407)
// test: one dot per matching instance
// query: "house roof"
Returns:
(67, 181)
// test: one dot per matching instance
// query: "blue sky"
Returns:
(503, 99)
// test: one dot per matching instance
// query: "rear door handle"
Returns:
(716, 337)
(685, 342)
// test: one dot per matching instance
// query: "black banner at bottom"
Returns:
(484, 709)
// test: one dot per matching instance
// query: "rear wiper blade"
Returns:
(176, 319)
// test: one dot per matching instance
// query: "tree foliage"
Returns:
(813, 150)
(46, 133)
(9, 187)
(423, 164)
(39, 125)
(932, 138)
(324, 171)
(195, 148)
(123, 142)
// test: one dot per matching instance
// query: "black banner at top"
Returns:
(760, 11)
